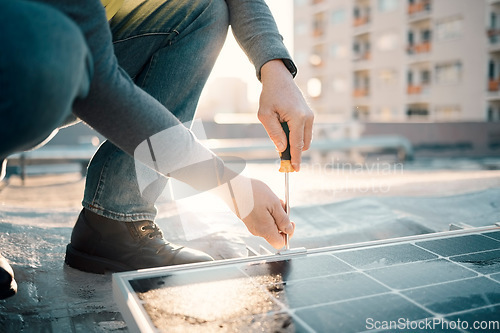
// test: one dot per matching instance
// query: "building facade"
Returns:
(399, 60)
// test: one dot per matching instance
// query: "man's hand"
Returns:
(268, 216)
(282, 101)
(258, 207)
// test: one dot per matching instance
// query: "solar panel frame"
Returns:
(342, 266)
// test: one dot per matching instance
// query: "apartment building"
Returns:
(399, 60)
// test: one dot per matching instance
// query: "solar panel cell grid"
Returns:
(335, 291)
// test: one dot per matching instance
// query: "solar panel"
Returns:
(441, 283)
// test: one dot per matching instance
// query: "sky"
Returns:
(232, 62)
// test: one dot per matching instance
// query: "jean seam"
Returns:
(116, 215)
(142, 35)
(148, 71)
(102, 179)
(187, 28)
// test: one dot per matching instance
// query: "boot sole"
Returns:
(92, 264)
(9, 290)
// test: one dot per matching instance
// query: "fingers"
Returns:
(300, 136)
(275, 224)
(293, 225)
(276, 238)
(283, 205)
(282, 225)
(273, 128)
(282, 220)
(308, 131)
(296, 143)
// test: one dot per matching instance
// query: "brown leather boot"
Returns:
(8, 286)
(99, 244)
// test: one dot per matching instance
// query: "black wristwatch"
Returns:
(290, 66)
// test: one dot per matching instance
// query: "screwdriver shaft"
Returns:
(287, 206)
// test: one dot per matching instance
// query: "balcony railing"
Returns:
(417, 90)
(493, 85)
(493, 35)
(423, 47)
(362, 56)
(418, 7)
(414, 90)
(318, 32)
(360, 21)
(360, 92)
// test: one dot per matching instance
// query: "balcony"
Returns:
(417, 113)
(424, 47)
(494, 90)
(493, 35)
(419, 7)
(360, 92)
(361, 21)
(418, 93)
(414, 90)
(493, 85)
(362, 56)
(318, 32)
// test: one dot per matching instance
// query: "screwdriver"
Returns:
(286, 167)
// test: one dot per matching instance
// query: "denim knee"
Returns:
(46, 65)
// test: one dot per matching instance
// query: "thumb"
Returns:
(274, 130)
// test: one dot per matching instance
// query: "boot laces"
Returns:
(155, 231)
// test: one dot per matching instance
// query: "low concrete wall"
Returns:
(471, 139)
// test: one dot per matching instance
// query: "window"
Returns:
(387, 113)
(410, 78)
(338, 51)
(339, 85)
(410, 38)
(356, 47)
(300, 28)
(319, 24)
(425, 76)
(361, 112)
(493, 113)
(387, 5)
(387, 77)
(316, 57)
(357, 12)
(417, 112)
(361, 81)
(314, 87)
(338, 16)
(448, 112)
(426, 35)
(448, 73)
(361, 48)
(300, 57)
(449, 29)
(367, 46)
(491, 70)
(387, 42)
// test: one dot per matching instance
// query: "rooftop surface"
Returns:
(331, 207)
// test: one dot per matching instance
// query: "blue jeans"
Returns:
(40, 77)
(169, 49)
